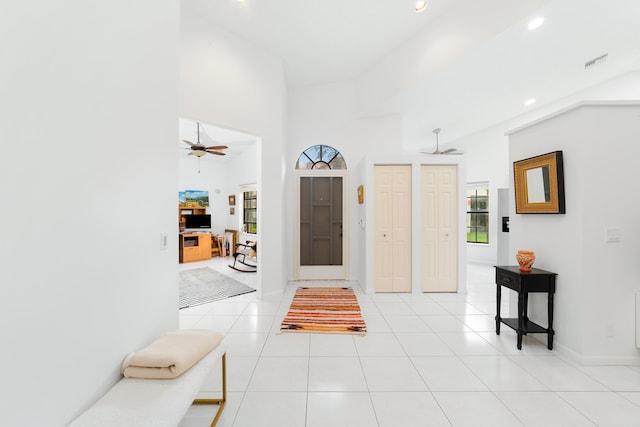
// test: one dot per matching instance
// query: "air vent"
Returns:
(596, 61)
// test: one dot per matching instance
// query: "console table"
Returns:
(523, 283)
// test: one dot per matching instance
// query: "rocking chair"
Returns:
(247, 256)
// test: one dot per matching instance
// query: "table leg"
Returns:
(498, 297)
(521, 309)
(550, 317)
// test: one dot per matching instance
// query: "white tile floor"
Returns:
(427, 360)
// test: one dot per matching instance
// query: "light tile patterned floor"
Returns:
(427, 360)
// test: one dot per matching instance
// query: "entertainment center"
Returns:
(196, 242)
(195, 247)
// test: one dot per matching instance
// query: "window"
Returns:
(250, 209)
(321, 157)
(478, 212)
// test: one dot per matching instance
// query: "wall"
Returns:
(227, 82)
(221, 177)
(328, 115)
(242, 172)
(594, 310)
(87, 182)
(487, 150)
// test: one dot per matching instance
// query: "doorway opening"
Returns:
(223, 178)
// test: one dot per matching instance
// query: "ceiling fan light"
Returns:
(199, 153)
(420, 5)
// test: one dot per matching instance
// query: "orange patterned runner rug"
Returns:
(324, 310)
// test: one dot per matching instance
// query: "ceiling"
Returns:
(444, 66)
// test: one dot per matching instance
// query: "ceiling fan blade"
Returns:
(218, 153)
(188, 142)
(217, 147)
(452, 151)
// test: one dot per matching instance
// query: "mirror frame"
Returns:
(556, 204)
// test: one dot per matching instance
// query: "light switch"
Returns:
(613, 234)
(164, 237)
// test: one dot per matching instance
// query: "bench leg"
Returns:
(220, 402)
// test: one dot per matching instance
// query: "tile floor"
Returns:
(427, 360)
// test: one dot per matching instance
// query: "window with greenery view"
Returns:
(478, 212)
(250, 208)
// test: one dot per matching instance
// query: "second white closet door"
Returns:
(439, 236)
(392, 228)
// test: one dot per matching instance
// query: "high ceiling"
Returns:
(461, 65)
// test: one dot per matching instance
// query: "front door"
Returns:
(321, 225)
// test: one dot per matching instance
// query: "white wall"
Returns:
(487, 161)
(211, 176)
(594, 310)
(227, 82)
(487, 150)
(88, 173)
(328, 115)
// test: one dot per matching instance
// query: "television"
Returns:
(197, 221)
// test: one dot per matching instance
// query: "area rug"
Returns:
(203, 285)
(324, 310)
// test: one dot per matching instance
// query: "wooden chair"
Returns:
(216, 245)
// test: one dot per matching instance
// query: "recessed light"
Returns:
(529, 102)
(420, 5)
(535, 23)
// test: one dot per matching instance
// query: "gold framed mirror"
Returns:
(539, 184)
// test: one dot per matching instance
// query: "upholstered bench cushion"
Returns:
(150, 402)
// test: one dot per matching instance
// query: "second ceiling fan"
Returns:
(199, 149)
(438, 151)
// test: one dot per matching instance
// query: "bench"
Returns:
(152, 402)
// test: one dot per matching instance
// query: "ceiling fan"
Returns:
(198, 149)
(438, 151)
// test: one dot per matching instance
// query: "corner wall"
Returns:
(487, 151)
(87, 181)
(594, 305)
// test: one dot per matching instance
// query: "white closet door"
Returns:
(392, 228)
(439, 255)
(401, 228)
(383, 211)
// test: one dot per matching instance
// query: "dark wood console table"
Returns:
(523, 283)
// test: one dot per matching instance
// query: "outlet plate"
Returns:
(612, 234)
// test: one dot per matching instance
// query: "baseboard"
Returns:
(581, 359)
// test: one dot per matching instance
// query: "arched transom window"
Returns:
(321, 157)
